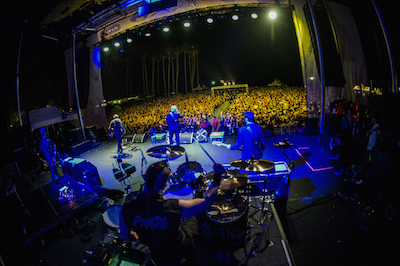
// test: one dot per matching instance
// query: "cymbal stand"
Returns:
(127, 187)
(143, 161)
(264, 209)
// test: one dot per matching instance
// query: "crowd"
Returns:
(272, 106)
(143, 116)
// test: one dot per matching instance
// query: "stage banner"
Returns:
(95, 113)
(311, 77)
(350, 51)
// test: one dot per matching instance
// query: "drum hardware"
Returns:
(284, 145)
(123, 172)
(111, 219)
(257, 166)
(165, 151)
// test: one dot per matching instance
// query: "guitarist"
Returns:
(49, 151)
(117, 129)
(174, 126)
(251, 137)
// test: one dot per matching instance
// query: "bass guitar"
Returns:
(219, 143)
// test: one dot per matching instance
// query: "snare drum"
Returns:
(180, 191)
(224, 225)
(111, 216)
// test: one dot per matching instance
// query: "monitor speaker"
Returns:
(311, 127)
(186, 138)
(139, 138)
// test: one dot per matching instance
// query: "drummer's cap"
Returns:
(173, 108)
(249, 116)
(156, 176)
(115, 116)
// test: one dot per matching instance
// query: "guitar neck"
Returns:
(219, 143)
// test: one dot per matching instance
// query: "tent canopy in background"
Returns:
(47, 116)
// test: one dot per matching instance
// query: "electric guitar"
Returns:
(219, 143)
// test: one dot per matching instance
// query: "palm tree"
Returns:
(168, 50)
(153, 61)
(143, 56)
(178, 50)
(185, 51)
(163, 56)
(196, 53)
(192, 66)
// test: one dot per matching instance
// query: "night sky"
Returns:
(251, 51)
(242, 50)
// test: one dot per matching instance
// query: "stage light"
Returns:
(165, 29)
(272, 15)
(210, 20)
(129, 40)
(147, 34)
(186, 24)
(254, 15)
(106, 49)
(235, 17)
(117, 44)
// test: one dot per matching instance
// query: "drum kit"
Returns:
(225, 223)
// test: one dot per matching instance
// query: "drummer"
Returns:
(157, 221)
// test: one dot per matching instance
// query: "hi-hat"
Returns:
(253, 165)
(165, 151)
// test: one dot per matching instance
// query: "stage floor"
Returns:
(320, 229)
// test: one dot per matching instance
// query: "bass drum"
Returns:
(111, 217)
(224, 226)
(189, 173)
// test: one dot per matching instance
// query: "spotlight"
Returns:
(117, 44)
(106, 49)
(147, 34)
(210, 20)
(272, 15)
(165, 29)
(186, 24)
(254, 15)
(235, 17)
(129, 40)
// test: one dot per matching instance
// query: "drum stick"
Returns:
(204, 150)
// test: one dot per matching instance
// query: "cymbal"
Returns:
(165, 151)
(253, 165)
(231, 180)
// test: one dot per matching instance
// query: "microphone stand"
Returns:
(143, 160)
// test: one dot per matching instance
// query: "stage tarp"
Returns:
(47, 116)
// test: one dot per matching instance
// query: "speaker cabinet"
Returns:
(88, 175)
(332, 125)
(139, 138)
(186, 138)
(311, 127)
